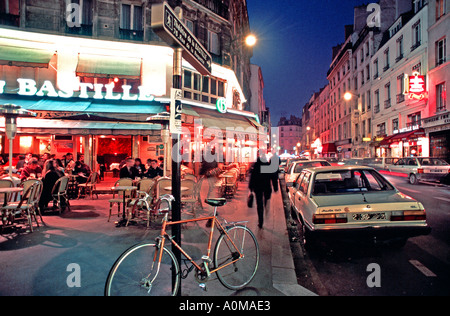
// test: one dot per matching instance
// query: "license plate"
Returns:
(369, 216)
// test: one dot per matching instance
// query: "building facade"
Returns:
(290, 134)
(94, 71)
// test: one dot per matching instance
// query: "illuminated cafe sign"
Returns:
(415, 86)
(28, 87)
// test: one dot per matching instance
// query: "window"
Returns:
(441, 51)
(387, 91)
(441, 97)
(440, 9)
(386, 60)
(399, 48)
(375, 69)
(414, 119)
(84, 25)
(400, 88)
(213, 43)
(395, 125)
(369, 126)
(381, 129)
(305, 183)
(416, 35)
(131, 25)
(377, 101)
(369, 105)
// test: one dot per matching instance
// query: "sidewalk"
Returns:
(39, 263)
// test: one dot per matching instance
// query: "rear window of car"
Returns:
(300, 166)
(349, 182)
(432, 162)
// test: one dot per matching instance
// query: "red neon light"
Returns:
(417, 87)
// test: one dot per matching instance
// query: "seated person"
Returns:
(52, 175)
(129, 170)
(31, 171)
(153, 170)
(83, 172)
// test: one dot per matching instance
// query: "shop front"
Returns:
(438, 129)
(404, 144)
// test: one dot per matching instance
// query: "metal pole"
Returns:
(176, 167)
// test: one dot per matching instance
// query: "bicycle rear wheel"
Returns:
(136, 273)
(237, 275)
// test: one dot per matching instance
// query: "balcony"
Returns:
(400, 98)
(134, 35)
(399, 58)
(83, 29)
(376, 108)
(387, 103)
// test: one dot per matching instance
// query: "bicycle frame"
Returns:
(215, 221)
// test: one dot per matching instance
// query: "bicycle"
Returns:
(151, 268)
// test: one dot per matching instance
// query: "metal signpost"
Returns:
(168, 26)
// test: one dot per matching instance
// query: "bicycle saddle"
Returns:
(216, 202)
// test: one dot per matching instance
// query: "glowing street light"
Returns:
(250, 40)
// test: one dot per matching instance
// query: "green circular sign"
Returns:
(221, 105)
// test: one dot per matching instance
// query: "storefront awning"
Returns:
(69, 127)
(108, 66)
(408, 136)
(25, 56)
(328, 148)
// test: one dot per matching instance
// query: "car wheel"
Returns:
(412, 178)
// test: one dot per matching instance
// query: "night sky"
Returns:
(295, 38)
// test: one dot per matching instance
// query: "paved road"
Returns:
(421, 267)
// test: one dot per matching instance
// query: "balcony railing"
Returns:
(83, 29)
(134, 35)
(400, 98)
(387, 103)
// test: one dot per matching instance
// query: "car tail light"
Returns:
(420, 170)
(408, 216)
(330, 218)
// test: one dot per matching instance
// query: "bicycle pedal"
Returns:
(203, 287)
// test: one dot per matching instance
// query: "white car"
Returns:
(355, 202)
(421, 169)
(297, 166)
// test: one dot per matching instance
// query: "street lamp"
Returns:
(250, 40)
(11, 112)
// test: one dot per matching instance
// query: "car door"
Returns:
(301, 196)
(398, 166)
(293, 190)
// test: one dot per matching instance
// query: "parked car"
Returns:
(381, 163)
(297, 166)
(355, 202)
(421, 169)
(353, 162)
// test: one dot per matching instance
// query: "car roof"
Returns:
(337, 168)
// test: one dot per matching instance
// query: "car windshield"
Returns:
(349, 182)
(432, 162)
(308, 164)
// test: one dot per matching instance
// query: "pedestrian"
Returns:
(263, 177)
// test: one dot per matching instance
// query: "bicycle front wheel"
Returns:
(137, 272)
(235, 270)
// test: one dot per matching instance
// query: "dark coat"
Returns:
(132, 173)
(262, 181)
(48, 182)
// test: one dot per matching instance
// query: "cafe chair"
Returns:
(143, 200)
(188, 195)
(59, 193)
(89, 186)
(119, 199)
(5, 183)
(27, 207)
(161, 184)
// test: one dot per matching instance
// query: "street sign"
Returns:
(166, 25)
(176, 109)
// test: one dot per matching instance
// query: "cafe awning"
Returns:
(70, 127)
(328, 148)
(108, 66)
(25, 56)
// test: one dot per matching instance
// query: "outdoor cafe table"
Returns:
(9, 190)
(123, 188)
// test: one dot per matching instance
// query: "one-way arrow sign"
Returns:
(166, 24)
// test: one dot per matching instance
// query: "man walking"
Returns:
(263, 177)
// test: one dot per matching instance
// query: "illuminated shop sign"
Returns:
(416, 87)
(28, 87)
